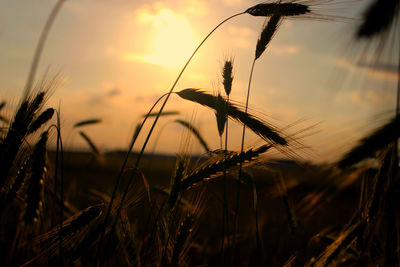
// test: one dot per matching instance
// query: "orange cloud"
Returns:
(375, 73)
(241, 36)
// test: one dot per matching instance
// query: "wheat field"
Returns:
(233, 204)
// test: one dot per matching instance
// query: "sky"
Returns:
(114, 59)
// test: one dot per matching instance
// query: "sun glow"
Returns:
(172, 41)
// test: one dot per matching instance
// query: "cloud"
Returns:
(106, 95)
(232, 2)
(376, 97)
(241, 36)
(376, 72)
(197, 77)
(285, 49)
(171, 38)
(196, 7)
(114, 92)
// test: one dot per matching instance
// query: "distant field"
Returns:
(336, 205)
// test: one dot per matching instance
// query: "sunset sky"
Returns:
(117, 57)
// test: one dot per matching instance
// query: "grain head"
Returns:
(278, 8)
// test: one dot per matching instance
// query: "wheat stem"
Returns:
(121, 171)
(240, 166)
(40, 46)
(152, 127)
(59, 150)
(176, 81)
(224, 209)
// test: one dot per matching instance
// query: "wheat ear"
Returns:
(257, 126)
(15, 136)
(35, 182)
(281, 9)
(86, 122)
(214, 168)
(195, 132)
(41, 120)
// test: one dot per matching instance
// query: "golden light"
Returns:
(172, 41)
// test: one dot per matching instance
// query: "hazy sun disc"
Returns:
(172, 41)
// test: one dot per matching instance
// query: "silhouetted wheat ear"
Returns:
(2, 105)
(369, 145)
(164, 113)
(184, 231)
(341, 242)
(88, 239)
(73, 224)
(40, 120)
(378, 17)
(87, 122)
(82, 219)
(94, 148)
(227, 76)
(36, 103)
(259, 127)
(282, 9)
(126, 238)
(35, 182)
(195, 132)
(176, 186)
(220, 113)
(17, 132)
(267, 34)
(212, 170)
(18, 182)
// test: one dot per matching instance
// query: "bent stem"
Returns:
(154, 123)
(40, 46)
(121, 171)
(176, 81)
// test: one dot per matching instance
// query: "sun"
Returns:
(171, 42)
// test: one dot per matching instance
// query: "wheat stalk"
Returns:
(40, 46)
